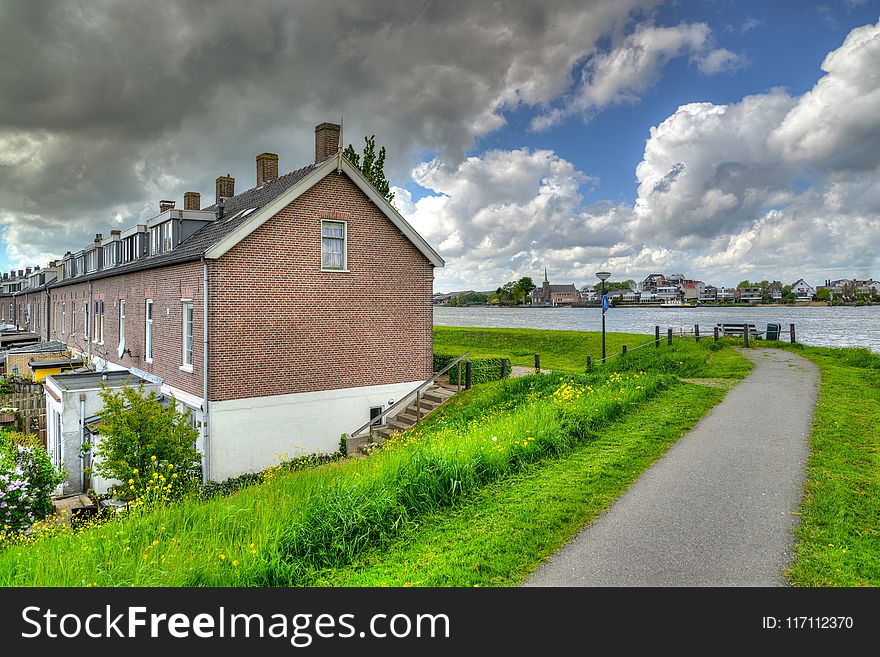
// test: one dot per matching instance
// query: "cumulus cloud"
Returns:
(772, 186)
(633, 65)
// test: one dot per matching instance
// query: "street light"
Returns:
(603, 276)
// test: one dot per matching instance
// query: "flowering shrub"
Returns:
(27, 478)
(143, 441)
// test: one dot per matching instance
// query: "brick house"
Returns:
(279, 316)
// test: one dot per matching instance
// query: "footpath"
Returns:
(718, 509)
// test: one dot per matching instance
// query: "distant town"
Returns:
(665, 290)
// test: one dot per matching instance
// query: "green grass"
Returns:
(838, 539)
(501, 534)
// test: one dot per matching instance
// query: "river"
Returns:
(840, 326)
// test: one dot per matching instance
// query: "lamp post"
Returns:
(603, 276)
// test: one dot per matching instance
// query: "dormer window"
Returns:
(160, 238)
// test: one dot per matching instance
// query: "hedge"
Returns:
(483, 368)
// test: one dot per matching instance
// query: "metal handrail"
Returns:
(373, 421)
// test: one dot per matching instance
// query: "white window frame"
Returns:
(121, 322)
(187, 358)
(155, 240)
(98, 338)
(166, 234)
(87, 311)
(148, 330)
(63, 313)
(344, 224)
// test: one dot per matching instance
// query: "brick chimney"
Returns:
(115, 232)
(36, 267)
(225, 187)
(98, 238)
(192, 201)
(165, 205)
(326, 141)
(27, 271)
(267, 168)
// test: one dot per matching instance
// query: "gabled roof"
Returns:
(317, 173)
(217, 237)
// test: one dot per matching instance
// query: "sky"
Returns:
(723, 140)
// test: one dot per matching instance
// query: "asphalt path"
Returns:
(718, 509)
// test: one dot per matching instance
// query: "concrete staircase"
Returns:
(408, 416)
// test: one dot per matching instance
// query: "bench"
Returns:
(737, 330)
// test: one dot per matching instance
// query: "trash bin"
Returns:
(773, 331)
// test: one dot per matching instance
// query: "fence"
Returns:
(26, 410)
(466, 374)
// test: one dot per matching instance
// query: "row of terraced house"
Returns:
(280, 317)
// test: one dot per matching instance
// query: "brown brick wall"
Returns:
(166, 287)
(279, 325)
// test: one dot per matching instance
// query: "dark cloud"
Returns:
(108, 107)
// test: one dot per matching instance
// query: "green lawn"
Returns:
(501, 534)
(839, 532)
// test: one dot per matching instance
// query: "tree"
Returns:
(371, 165)
(143, 441)
(743, 284)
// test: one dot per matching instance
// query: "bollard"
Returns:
(791, 331)
(467, 375)
(715, 333)
(623, 353)
(537, 363)
(669, 337)
(503, 368)
(656, 336)
(589, 364)
(746, 334)
(697, 332)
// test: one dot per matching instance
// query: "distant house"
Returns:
(691, 290)
(709, 293)
(652, 281)
(726, 294)
(802, 290)
(555, 295)
(664, 292)
(775, 292)
(751, 295)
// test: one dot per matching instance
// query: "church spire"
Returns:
(545, 275)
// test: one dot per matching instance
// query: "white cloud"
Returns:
(633, 65)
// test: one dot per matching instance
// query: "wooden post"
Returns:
(589, 363)
(656, 336)
(503, 368)
(467, 375)
(715, 333)
(537, 363)
(669, 337)
(746, 334)
(623, 353)
(697, 332)
(419, 406)
(791, 331)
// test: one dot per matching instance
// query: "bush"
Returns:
(483, 368)
(27, 479)
(147, 447)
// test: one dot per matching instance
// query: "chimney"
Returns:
(98, 238)
(21, 273)
(36, 267)
(114, 233)
(267, 168)
(192, 201)
(326, 141)
(225, 187)
(27, 271)
(165, 205)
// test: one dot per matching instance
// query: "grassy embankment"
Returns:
(838, 539)
(503, 476)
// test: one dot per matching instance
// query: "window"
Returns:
(126, 249)
(99, 322)
(122, 324)
(63, 313)
(166, 237)
(187, 335)
(73, 317)
(155, 241)
(375, 412)
(148, 350)
(333, 245)
(86, 321)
